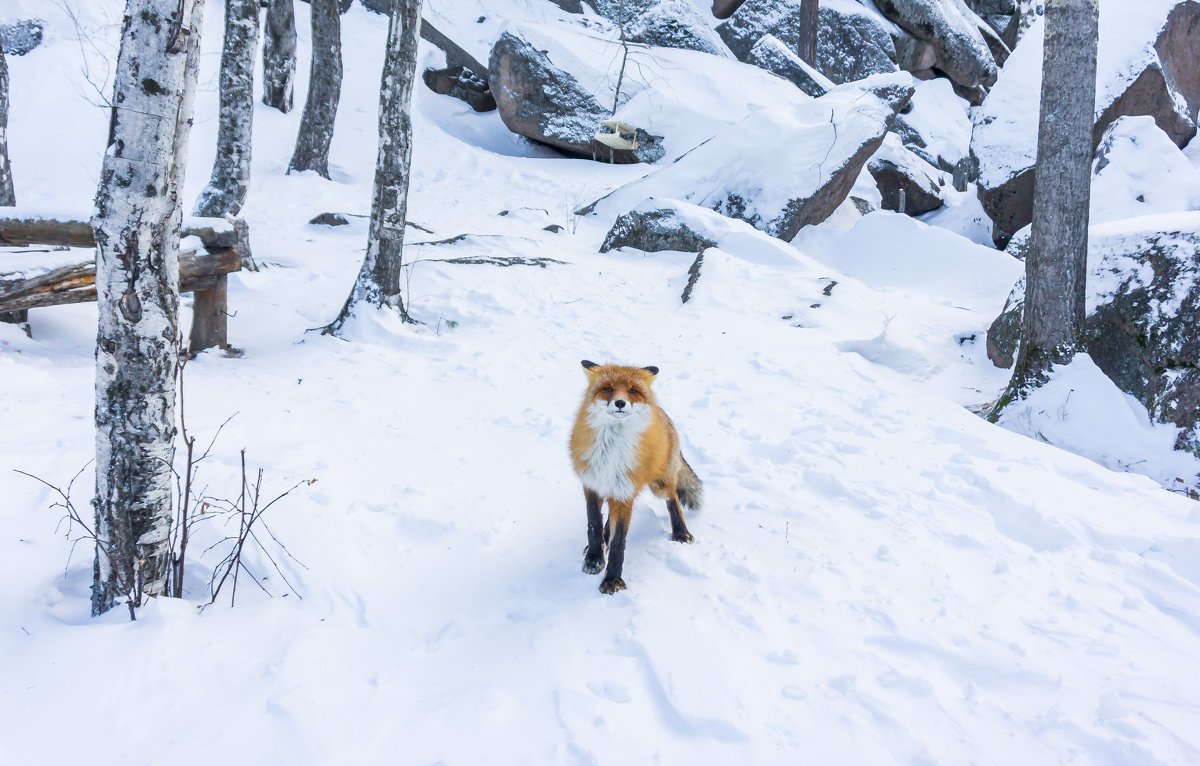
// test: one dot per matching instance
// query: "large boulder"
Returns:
(773, 56)
(656, 225)
(1143, 316)
(540, 101)
(906, 183)
(953, 30)
(1146, 66)
(1139, 171)
(853, 42)
(675, 24)
(781, 168)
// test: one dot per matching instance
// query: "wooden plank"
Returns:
(216, 234)
(77, 283)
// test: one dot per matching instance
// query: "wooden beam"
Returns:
(77, 283)
(20, 230)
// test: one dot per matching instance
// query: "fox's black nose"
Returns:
(619, 404)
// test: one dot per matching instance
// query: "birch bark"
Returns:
(324, 90)
(226, 190)
(378, 282)
(136, 222)
(279, 55)
(7, 196)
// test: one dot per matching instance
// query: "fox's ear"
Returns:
(589, 366)
(651, 369)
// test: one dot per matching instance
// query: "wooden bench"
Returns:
(206, 276)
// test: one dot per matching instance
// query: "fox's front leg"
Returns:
(619, 513)
(593, 556)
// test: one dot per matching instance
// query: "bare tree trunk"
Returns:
(279, 55)
(324, 90)
(7, 196)
(806, 47)
(378, 282)
(137, 225)
(1056, 267)
(226, 190)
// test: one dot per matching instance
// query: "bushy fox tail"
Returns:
(691, 489)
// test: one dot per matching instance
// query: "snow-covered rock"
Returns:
(540, 101)
(1139, 171)
(897, 170)
(773, 56)
(675, 24)
(20, 37)
(853, 42)
(563, 83)
(1143, 315)
(826, 143)
(936, 126)
(1146, 65)
(953, 30)
(656, 225)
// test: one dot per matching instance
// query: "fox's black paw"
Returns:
(593, 564)
(683, 537)
(612, 585)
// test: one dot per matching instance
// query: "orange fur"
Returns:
(622, 443)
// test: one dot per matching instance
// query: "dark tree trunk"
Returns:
(324, 90)
(226, 190)
(1056, 267)
(7, 196)
(378, 282)
(806, 47)
(137, 226)
(279, 55)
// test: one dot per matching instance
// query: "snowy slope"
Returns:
(879, 576)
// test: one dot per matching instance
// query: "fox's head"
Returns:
(619, 392)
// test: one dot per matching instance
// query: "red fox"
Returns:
(622, 443)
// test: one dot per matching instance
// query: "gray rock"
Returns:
(794, 166)
(20, 37)
(540, 101)
(1143, 327)
(675, 24)
(852, 41)
(655, 229)
(330, 219)
(462, 84)
(1167, 89)
(775, 57)
(896, 170)
(953, 30)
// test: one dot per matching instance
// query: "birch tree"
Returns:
(324, 90)
(1056, 267)
(279, 55)
(226, 190)
(137, 223)
(7, 196)
(378, 282)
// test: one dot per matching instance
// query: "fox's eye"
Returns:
(607, 389)
(634, 392)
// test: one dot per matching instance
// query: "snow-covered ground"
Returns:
(879, 575)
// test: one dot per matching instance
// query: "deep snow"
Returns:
(879, 575)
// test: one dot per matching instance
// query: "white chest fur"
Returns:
(614, 451)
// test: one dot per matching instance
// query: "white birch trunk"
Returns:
(279, 55)
(7, 196)
(137, 223)
(378, 282)
(226, 190)
(324, 90)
